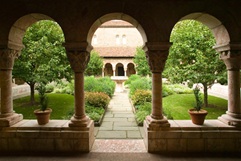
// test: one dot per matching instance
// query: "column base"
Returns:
(10, 119)
(79, 122)
(156, 124)
(231, 119)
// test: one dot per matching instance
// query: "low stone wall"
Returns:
(20, 91)
(56, 136)
(183, 136)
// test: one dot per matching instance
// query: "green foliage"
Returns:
(198, 99)
(132, 78)
(140, 60)
(97, 99)
(143, 111)
(141, 96)
(49, 88)
(43, 99)
(94, 113)
(175, 89)
(105, 85)
(192, 57)
(142, 83)
(95, 64)
(43, 59)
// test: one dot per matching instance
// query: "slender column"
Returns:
(78, 61)
(232, 59)
(125, 69)
(103, 72)
(156, 55)
(7, 116)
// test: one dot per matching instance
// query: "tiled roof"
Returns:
(116, 51)
(115, 23)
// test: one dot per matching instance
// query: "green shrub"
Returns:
(142, 83)
(143, 111)
(141, 96)
(49, 88)
(94, 113)
(104, 85)
(97, 99)
(132, 78)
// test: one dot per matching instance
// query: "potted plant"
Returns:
(197, 113)
(43, 113)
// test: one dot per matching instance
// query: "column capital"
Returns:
(157, 53)
(78, 60)
(7, 57)
(231, 55)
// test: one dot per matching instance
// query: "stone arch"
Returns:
(130, 69)
(119, 70)
(117, 16)
(108, 69)
(218, 29)
(19, 28)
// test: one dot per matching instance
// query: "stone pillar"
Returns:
(7, 116)
(78, 59)
(156, 55)
(114, 71)
(231, 55)
(103, 72)
(125, 69)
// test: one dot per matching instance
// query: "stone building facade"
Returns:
(116, 42)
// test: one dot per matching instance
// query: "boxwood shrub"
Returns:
(97, 99)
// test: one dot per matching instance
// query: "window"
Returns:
(117, 39)
(124, 39)
(95, 39)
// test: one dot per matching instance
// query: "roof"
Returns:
(116, 51)
(116, 23)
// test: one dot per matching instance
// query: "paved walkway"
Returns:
(119, 121)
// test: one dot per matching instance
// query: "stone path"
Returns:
(119, 121)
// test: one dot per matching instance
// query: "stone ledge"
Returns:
(184, 136)
(27, 135)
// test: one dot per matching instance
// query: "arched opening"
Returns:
(43, 58)
(108, 70)
(130, 69)
(119, 70)
(19, 28)
(192, 58)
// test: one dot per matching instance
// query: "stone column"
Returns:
(125, 69)
(231, 55)
(103, 72)
(156, 55)
(7, 116)
(78, 60)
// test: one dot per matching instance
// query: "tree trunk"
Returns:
(205, 92)
(32, 98)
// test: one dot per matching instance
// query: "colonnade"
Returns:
(157, 53)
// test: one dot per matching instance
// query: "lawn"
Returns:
(61, 104)
(177, 106)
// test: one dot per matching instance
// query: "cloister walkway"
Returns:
(119, 131)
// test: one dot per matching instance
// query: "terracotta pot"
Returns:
(43, 116)
(197, 117)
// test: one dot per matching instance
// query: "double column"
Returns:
(7, 116)
(231, 55)
(78, 57)
(157, 54)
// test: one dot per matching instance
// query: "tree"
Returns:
(95, 64)
(140, 60)
(44, 58)
(192, 58)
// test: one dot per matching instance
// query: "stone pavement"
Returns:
(119, 121)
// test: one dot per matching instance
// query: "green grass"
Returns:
(177, 106)
(61, 104)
